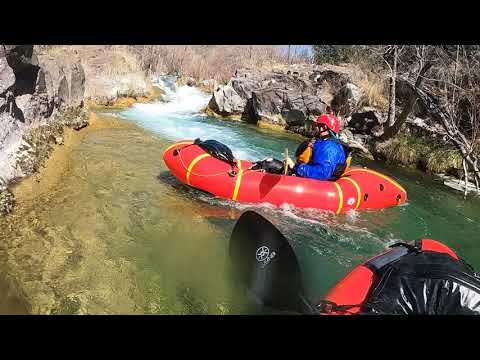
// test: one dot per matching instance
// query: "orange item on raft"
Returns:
(357, 189)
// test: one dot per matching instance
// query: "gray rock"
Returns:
(59, 140)
(64, 80)
(347, 99)
(34, 107)
(30, 89)
(7, 76)
(244, 86)
(190, 81)
(225, 101)
(250, 112)
(77, 85)
(63, 92)
(294, 117)
(292, 92)
(355, 142)
(3, 105)
(364, 121)
(424, 127)
(270, 101)
(19, 57)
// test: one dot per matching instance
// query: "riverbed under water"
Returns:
(121, 235)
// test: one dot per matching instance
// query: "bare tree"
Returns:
(423, 63)
(452, 99)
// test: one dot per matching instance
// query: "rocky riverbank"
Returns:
(290, 97)
(46, 91)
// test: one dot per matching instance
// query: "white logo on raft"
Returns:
(262, 253)
(264, 256)
(351, 201)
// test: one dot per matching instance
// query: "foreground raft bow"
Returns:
(423, 277)
(357, 189)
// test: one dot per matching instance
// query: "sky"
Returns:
(298, 48)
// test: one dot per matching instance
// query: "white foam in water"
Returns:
(179, 118)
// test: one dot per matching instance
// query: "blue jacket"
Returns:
(326, 155)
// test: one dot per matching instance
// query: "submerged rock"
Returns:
(7, 201)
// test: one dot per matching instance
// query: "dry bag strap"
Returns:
(329, 307)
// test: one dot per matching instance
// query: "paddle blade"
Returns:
(266, 264)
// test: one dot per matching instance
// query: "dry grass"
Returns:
(405, 150)
(441, 160)
(122, 62)
(54, 50)
(374, 91)
(420, 152)
(372, 85)
(209, 62)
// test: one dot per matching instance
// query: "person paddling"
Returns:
(323, 157)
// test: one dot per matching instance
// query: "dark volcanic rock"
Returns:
(292, 93)
(365, 121)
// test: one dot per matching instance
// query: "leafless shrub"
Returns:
(212, 62)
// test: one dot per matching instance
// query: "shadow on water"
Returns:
(166, 178)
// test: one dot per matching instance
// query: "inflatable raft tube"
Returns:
(358, 189)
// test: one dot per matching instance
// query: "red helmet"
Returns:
(330, 121)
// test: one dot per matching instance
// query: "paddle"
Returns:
(286, 162)
(266, 264)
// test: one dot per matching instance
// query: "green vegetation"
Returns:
(334, 54)
(420, 152)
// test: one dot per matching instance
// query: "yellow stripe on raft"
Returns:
(192, 164)
(239, 180)
(359, 192)
(340, 198)
(176, 144)
(393, 182)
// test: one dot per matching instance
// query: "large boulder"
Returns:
(33, 108)
(63, 79)
(366, 121)
(355, 141)
(31, 87)
(290, 93)
(250, 112)
(225, 101)
(24, 64)
(244, 86)
(347, 99)
(77, 84)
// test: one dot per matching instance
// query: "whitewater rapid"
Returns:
(179, 116)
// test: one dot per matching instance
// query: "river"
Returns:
(121, 235)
